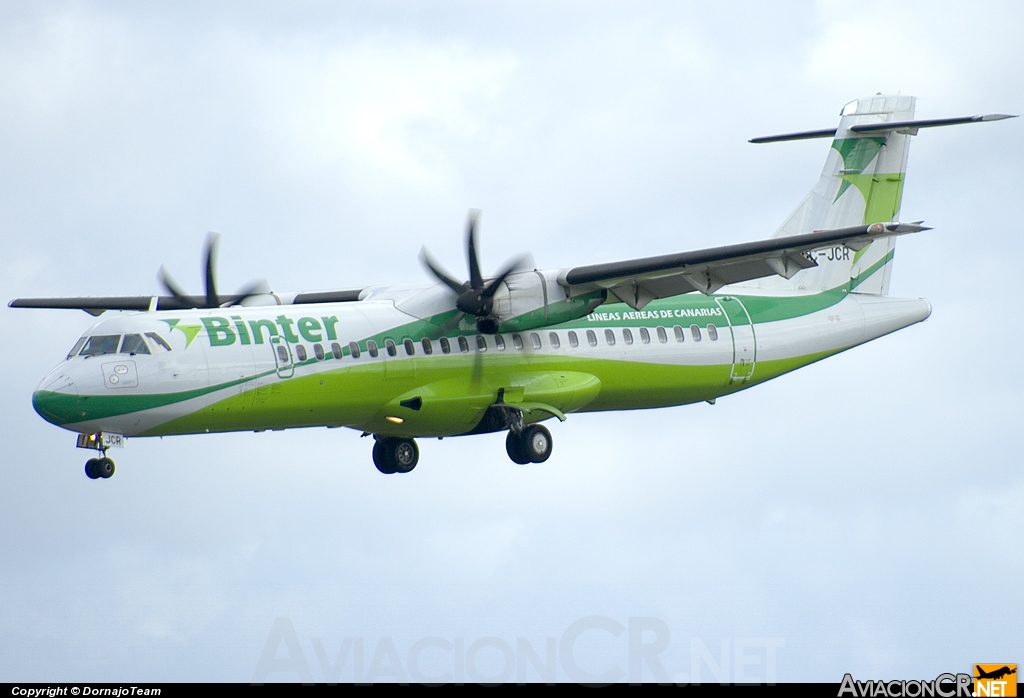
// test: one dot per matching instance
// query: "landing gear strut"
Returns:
(392, 455)
(531, 445)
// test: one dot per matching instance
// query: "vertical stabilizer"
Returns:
(861, 183)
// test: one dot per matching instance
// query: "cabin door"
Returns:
(282, 357)
(744, 341)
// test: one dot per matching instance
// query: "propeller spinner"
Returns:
(211, 299)
(475, 297)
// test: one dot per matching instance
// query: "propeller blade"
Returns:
(253, 288)
(448, 326)
(492, 287)
(438, 271)
(212, 300)
(477, 373)
(476, 279)
(172, 287)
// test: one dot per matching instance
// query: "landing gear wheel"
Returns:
(406, 454)
(105, 467)
(514, 448)
(380, 458)
(535, 440)
(392, 455)
(91, 469)
(531, 445)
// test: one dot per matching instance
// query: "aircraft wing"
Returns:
(97, 305)
(639, 281)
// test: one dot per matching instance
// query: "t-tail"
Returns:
(861, 184)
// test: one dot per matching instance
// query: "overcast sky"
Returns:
(862, 515)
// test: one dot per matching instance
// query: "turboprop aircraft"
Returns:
(458, 357)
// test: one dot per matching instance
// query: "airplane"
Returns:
(995, 674)
(453, 357)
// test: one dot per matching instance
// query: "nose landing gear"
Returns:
(99, 468)
(102, 467)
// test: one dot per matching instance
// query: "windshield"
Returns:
(101, 344)
(78, 345)
(134, 344)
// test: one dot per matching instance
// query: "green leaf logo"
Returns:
(190, 331)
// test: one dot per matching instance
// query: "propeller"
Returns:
(211, 299)
(475, 296)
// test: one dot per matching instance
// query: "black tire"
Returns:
(91, 471)
(405, 454)
(514, 448)
(380, 458)
(105, 467)
(536, 443)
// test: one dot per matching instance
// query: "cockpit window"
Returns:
(134, 344)
(101, 344)
(78, 345)
(158, 342)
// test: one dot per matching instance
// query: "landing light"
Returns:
(394, 420)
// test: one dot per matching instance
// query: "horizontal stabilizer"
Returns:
(798, 136)
(912, 126)
(901, 126)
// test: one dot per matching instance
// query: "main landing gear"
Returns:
(531, 445)
(392, 455)
(97, 468)
(527, 444)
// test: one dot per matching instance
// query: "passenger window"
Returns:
(695, 331)
(678, 331)
(627, 336)
(319, 352)
(591, 338)
(101, 344)
(410, 348)
(300, 352)
(662, 335)
(712, 333)
(463, 345)
(517, 341)
(609, 337)
(282, 354)
(481, 343)
(390, 346)
(74, 349)
(428, 348)
(553, 338)
(158, 342)
(574, 341)
(353, 349)
(499, 342)
(446, 347)
(371, 346)
(337, 353)
(134, 344)
(535, 340)
(645, 336)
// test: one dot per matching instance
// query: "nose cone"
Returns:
(56, 398)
